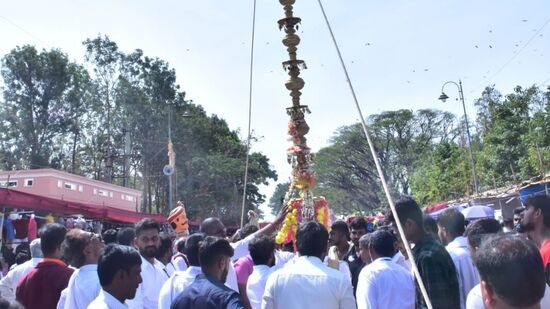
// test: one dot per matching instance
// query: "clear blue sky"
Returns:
(398, 53)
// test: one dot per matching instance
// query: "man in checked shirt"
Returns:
(432, 260)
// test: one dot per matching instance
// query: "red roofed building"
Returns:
(65, 193)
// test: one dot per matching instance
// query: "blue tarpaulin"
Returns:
(532, 189)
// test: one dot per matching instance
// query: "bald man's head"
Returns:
(213, 227)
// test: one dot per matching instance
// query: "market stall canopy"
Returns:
(436, 207)
(458, 207)
(534, 187)
(478, 212)
(16, 199)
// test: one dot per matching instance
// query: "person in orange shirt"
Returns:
(536, 223)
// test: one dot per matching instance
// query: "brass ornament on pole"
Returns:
(304, 206)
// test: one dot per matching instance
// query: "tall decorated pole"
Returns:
(304, 206)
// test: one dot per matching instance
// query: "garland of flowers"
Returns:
(294, 217)
(290, 225)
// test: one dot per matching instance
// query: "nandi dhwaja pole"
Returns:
(303, 205)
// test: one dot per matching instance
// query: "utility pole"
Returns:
(169, 169)
(127, 147)
(109, 157)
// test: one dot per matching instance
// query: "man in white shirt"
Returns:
(164, 255)
(82, 249)
(147, 241)
(511, 273)
(477, 232)
(262, 251)
(283, 257)
(308, 282)
(339, 246)
(179, 259)
(338, 240)
(182, 279)
(451, 227)
(118, 269)
(8, 284)
(399, 259)
(341, 266)
(215, 227)
(382, 283)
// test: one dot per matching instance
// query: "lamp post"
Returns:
(443, 97)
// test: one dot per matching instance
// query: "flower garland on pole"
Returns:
(303, 205)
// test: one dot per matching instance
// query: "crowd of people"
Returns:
(477, 264)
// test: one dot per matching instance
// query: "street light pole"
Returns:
(443, 98)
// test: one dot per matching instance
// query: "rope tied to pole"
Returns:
(249, 113)
(379, 167)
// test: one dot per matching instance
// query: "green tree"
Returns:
(104, 61)
(277, 198)
(68, 146)
(505, 126)
(211, 163)
(444, 175)
(403, 140)
(539, 132)
(41, 92)
(145, 92)
(346, 174)
(110, 122)
(210, 156)
(403, 137)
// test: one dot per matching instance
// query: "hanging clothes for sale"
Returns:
(80, 223)
(69, 223)
(49, 219)
(21, 229)
(10, 230)
(97, 227)
(2, 231)
(32, 228)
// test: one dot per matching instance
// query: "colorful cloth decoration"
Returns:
(32, 228)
